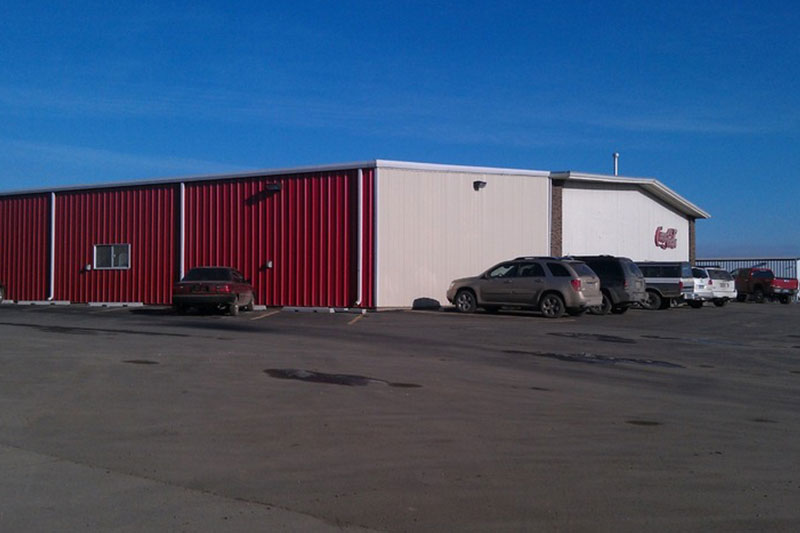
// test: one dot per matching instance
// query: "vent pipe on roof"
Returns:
(616, 163)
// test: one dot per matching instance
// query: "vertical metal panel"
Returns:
(368, 238)
(305, 230)
(434, 227)
(144, 217)
(24, 226)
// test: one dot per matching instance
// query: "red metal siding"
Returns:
(24, 229)
(308, 230)
(144, 217)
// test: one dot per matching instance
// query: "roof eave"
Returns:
(651, 185)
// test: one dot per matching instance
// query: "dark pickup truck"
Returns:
(761, 284)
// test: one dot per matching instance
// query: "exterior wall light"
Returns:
(273, 187)
(478, 185)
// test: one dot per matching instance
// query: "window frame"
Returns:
(113, 256)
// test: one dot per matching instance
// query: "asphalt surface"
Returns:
(142, 420)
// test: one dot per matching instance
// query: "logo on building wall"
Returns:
(666, 239)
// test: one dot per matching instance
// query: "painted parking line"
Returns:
(265, 315)
(356, 319)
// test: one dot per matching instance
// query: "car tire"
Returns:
(653, 301)
(720, 302)
(758, 296)
(784, 299)
(620, 309)
(604, 308)
(551, 305)
(466, 301)
(695, 304)
(179, 309)
(741, 297)
(250, 305)
(233, 309)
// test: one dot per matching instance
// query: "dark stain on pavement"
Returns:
(595, 337)
(661, 338)
(349, 380)
(90, 331)
(591, 358)
(643, 422)
(764, 420)
(140, 362)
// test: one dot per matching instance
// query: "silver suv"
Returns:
(549, 284)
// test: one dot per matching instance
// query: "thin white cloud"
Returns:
(100, 159)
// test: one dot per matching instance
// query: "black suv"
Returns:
(621, 282)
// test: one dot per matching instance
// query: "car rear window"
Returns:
(208, 274)
(720, 274)
(559, 270)
(699, 273)
(763, 274)
(605, 268)
(631, 267)
(582, 269)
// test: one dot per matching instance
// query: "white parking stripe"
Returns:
(265, 315)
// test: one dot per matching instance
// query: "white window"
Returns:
(112, 256)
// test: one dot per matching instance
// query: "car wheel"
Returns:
(741, 297)
(720, 302)
(233, 309)
(179, 309)
(552, 306)
(620, 309)
(695, 304)
(784, 299)
(758, 296)
(604, 308)
(653, 301)
(465, 301)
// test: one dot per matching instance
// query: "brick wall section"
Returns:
(556, 209)
(692, 242)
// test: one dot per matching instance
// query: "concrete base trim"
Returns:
(38, 302)
(116, 304)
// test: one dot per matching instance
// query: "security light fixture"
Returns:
(478, 185)
(273, 187)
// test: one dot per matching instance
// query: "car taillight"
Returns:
(576, 284)
(177, 289)
(625, 284)
(710, 282)
(220, 288)
(680, 285)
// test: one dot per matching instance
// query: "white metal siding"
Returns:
(433, 228)
(619, 220)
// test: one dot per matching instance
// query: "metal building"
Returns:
(370, 234)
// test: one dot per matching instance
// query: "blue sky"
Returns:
(704, 97)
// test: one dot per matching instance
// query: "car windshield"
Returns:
(208, 274)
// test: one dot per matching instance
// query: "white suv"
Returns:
(701, 289)
(723, 287)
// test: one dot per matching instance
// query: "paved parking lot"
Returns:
(139, 419)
